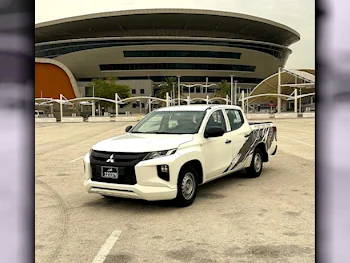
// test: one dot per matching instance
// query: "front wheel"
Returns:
(186, 187)
(256, 166)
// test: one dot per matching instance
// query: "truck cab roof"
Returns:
(198, 107)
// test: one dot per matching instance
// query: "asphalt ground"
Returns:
(233, 219)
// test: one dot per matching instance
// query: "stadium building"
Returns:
(142, 47)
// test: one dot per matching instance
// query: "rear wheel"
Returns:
(186, 187)
(256, 166)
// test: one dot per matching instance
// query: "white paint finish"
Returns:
(107, 246)
(214, 154)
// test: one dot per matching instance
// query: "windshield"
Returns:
(170, 122)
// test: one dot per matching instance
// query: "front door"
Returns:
(217, 151)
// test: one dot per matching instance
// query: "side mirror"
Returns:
(127, 129)
(212, 132)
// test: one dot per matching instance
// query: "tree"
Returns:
(167, 86)
(107, 89)
(223, 89)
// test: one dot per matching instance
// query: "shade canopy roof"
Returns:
(304, 78)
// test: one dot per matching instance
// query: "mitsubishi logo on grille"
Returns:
(111, 159)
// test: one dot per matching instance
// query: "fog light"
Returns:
(163, 172)
(164, 168)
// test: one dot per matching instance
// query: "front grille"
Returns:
(124, 161)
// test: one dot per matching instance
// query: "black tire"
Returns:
(187, 187)
(255, 169)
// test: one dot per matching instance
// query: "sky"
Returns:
(297, 14)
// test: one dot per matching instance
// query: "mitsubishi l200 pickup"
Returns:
(173, 150)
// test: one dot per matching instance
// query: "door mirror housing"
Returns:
(127, 129)
(212, 132)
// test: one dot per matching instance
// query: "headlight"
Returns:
(157, 154)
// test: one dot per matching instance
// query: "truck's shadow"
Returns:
(210, 191)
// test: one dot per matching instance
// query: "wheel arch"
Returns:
(197, 165)
(262, 147)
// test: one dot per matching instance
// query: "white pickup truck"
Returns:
(173, 150)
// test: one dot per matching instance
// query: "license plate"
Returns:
(109, 172)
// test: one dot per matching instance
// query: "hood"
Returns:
(134, 142)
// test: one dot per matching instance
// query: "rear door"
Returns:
(217, 151)
(239, 132)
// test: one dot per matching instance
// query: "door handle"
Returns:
(228, 141)
(247, 135)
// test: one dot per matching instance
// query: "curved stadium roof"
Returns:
(167, 22)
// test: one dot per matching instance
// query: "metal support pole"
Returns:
(226, 99)
(247, 103)
(300, 102)
(206, 85)
(207, 99)
(61, 108)
(149, 105)
(167, 99)
(99, 109)
(295, 100)
(116, 104)
(236, 92)
(279, 91)
(173, 97)
(243, 109)
(231, 89)
(178, 90)
(188, 100)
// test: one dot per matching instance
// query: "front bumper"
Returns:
(137, 191)
(148, 187)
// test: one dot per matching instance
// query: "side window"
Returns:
(216, 119)
(235, 117)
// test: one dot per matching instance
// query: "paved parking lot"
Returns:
(233, 219)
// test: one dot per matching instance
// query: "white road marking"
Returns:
(297, 141)
(300, 131)
(107, 246)
(72, 161)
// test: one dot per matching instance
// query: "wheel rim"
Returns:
(188, 186)
(257, 162)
